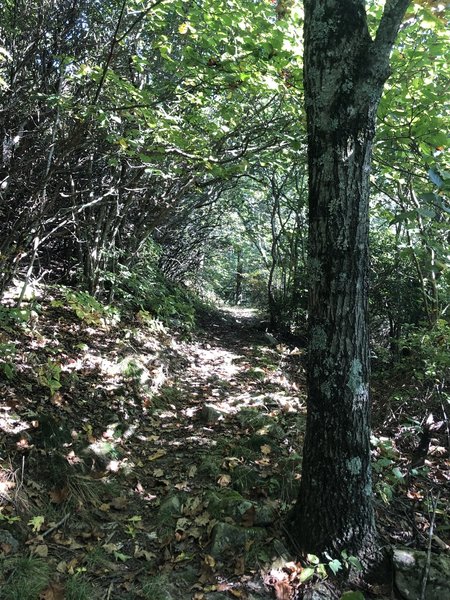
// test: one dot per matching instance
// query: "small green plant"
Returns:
(25, 578)
(315, 567)
(133, 524)
(49, 375)
(36, 523)
(384, 465)
(11, 318)
(7, 519)
(7, 367)
(87, 308)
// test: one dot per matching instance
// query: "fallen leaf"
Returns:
(57, 399)
(265, 449)
(203, 519)
(61, 567)
(59, 496)
(183, 485)
(157, 454)
(104, 507)
(110, 548)
(119, 503)
(224, 480)
(72, 565)
(239, 569)
(209, 560)
(141, 553)
(55, 591)
(41, 550)
(158, 473)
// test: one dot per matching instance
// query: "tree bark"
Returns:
(344, 74)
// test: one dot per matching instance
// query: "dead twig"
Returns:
(58, 524)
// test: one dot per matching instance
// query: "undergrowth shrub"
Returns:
(143, 286)
(427, 353)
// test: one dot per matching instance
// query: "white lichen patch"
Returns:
(318, 338)
(355, 380)
(354, 465)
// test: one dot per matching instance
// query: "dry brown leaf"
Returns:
(202, 519)
(183, 485)
(119, 503)
(55, 591)
(248, 518)
(5, 548)
(141, 553)
(59, 496)
(157, 454)
(209, 560)
(104, 507)
(239, 569)
(57, 399)
(158, 473)
(41, 550)
(266, 449)
(224, 480)
(110, 548)
(61, 567)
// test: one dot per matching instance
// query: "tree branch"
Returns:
(391, 20)
(114, 42)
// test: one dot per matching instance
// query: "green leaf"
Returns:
(355, 562)
(36, 523)
(313, 559)
(335, 565)
(122, 557)
(306, 574)
(397, 473)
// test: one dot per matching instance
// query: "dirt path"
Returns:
(157, 468)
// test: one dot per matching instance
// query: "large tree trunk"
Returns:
(344, 75)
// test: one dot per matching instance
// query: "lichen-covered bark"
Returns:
(344, 74)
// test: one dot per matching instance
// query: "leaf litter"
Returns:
(160, 459)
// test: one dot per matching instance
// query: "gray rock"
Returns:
(266, 513)
(210, 414)
(409, 568)
(319, 591)
(171, 507)
(7, 539)
(230, 537)
(228, 503)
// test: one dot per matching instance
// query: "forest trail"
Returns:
(151, 465)
(140, 462)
